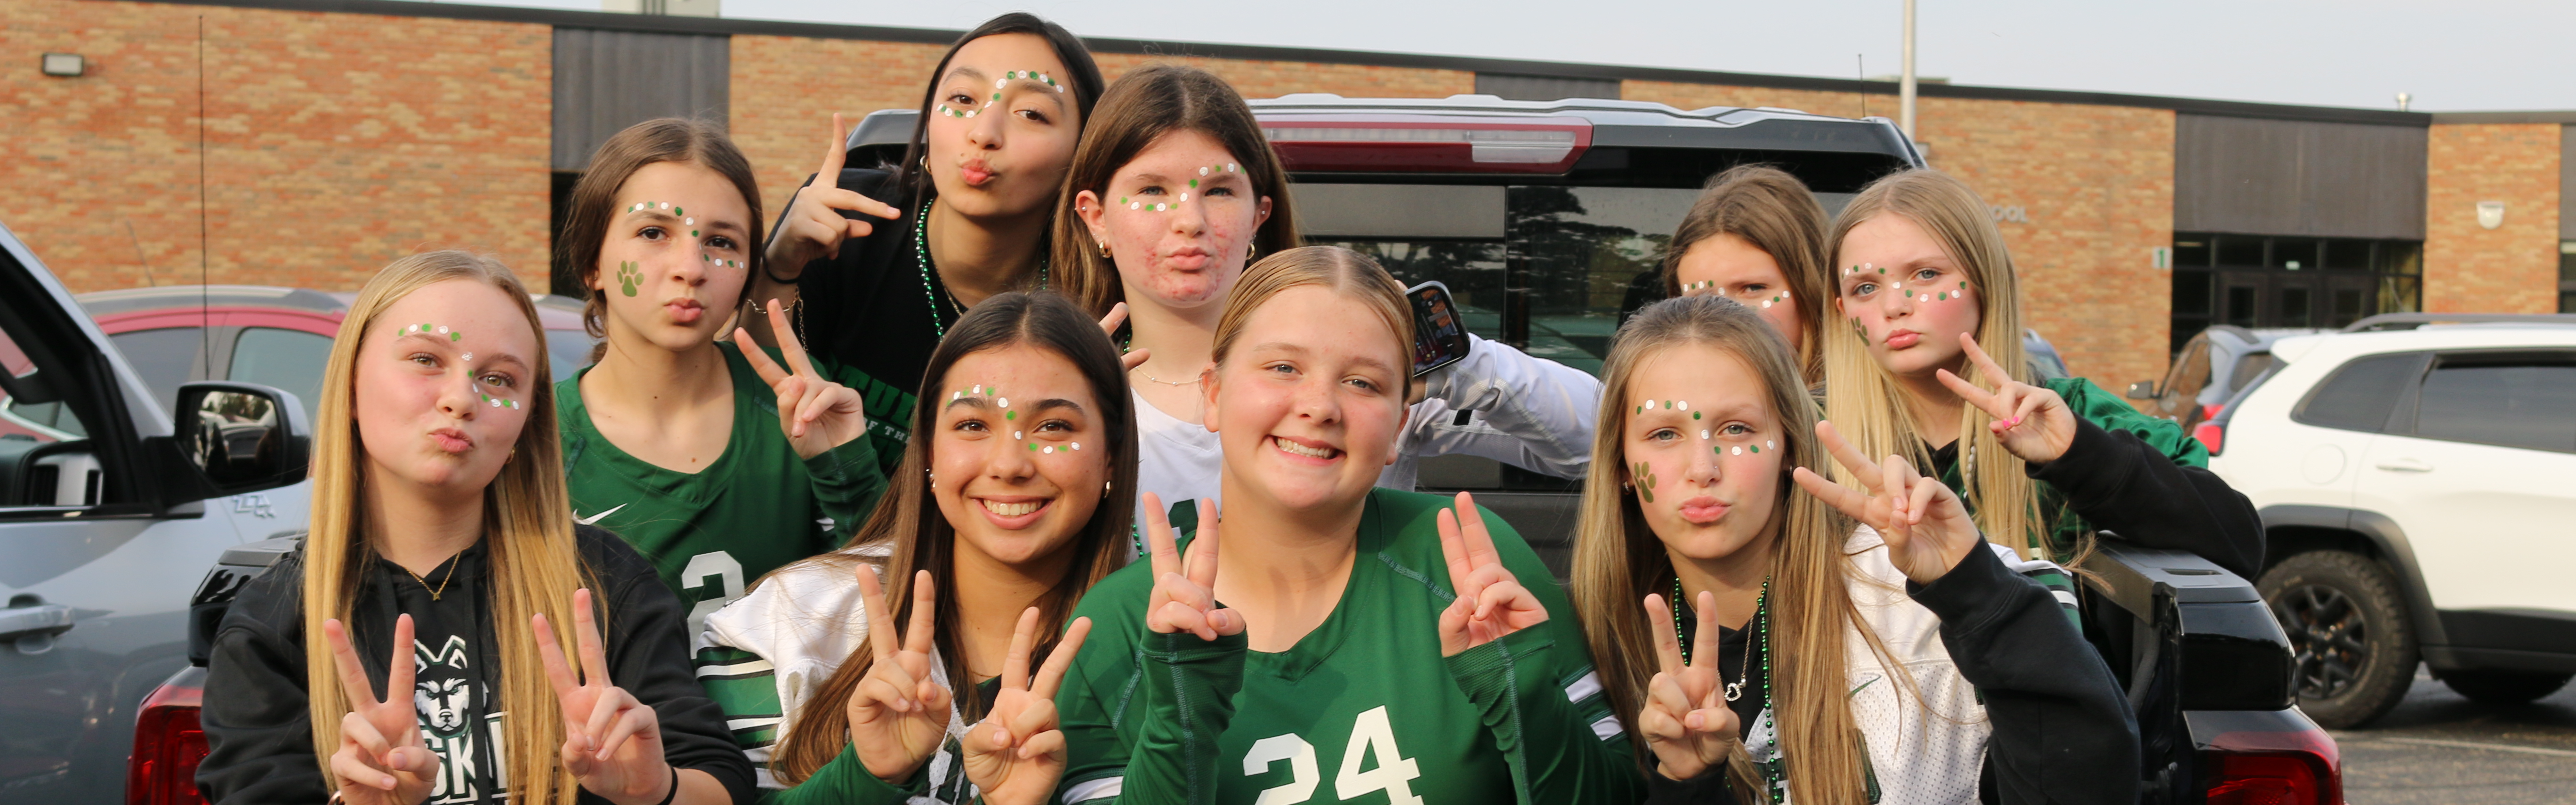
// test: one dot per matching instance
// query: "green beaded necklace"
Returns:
(1774, 770)
(921, 255)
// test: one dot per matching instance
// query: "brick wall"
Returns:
(2096, 183)
(2512, 268)
(335, 142)
(785, 90)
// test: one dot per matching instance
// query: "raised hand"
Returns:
(898, 714)
(816, 413)
(1491, 602)
(2031, 422)
(382, 760)
(612, 743)
(812, 227)
(1016, 755)
(1184, 598)
(1926, 528)
(1685, 718)
(1109, 324)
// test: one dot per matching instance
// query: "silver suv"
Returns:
(110, 512)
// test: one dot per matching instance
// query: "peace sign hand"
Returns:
(1491, 602)
(1184, 598)
(612, 742)
(382, 760)
(1685, 717)
(2031, 422)
(813, 228)
(816, 413)
(1016, 754)
(1926, 528)
(1109, 324)
(898, 714)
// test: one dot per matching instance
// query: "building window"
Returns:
(2265, 281)
(2567, 276)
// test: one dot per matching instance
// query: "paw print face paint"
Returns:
(1646, 481)
(630, 276)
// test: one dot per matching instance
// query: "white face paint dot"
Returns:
(1005, 402)
(469, 356)
(1703, 434)
(1766, 303)
(1135, 205)
(1048, 449)
(689, 221)
(1185, 196)
(979, 389)
(1682, 405)
(1736, 450)
(1229, 167)
(1077, 446)
(1015, 434)
(999, 83)
(1770, 444)
(956, 395)
(442, 329)
(496, 402)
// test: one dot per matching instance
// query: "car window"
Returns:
(2253, 365)
(566, 352)
(2524, 402)
(2360, 394)
(1587, 247)
(2189, 376)
(165, 358)
(29, 423)
(290, 360)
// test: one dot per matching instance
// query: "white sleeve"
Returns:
(1533, 413)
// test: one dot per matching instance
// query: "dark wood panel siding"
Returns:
(2289, 177)
(606, 81)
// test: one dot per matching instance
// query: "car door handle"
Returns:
(43, 619)
(2405, 465)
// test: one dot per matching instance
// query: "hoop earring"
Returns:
(1104, 250)
(1250, 249)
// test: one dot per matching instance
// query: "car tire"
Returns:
(2503, 687)
(2354, 648)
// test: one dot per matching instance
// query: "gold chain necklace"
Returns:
(435, 592)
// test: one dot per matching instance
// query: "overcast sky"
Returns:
(2451, 56)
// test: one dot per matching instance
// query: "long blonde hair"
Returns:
(1864, 400)
(1618, 559)
(527, 527)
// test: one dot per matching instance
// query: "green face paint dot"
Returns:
(1033, 448)
(1756, 449)
(1694, 414)
(1194, 182)
(455, 336)
(678, 211)
(1010, 415)
(1882, 269)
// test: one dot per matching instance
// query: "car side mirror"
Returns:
(245, 437)
(2143, 390)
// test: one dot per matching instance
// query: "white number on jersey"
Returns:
(1371, 735)
(701, 566)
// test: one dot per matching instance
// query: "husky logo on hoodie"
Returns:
(445, 693)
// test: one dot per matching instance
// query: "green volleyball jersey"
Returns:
(756, 507)
(1363, 709)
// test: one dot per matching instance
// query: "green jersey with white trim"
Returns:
(1363, 709)
(756, 507)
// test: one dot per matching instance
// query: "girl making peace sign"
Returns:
(442, 549)
(715, 461)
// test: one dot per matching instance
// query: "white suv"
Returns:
(2416, 488)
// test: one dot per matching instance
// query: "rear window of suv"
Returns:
(2514, 400)
(2362, 393)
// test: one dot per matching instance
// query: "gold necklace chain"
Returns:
(441, 589)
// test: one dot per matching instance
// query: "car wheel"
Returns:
(2355, 649)
(2503, 687)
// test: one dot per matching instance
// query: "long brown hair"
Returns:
(1871, 408)
(1618, 559)
(1774, 211)
(1141, 108)
(908, 519)
(1082, 80)
(527, 535)
(594, 199)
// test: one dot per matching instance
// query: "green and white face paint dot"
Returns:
(1783, 297)
(497, 402)
(439, 329)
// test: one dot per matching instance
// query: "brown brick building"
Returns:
(339, 134)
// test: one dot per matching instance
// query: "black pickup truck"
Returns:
(1541, 217)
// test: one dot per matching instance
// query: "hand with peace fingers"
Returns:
(382, 760)
(612, 742)
(1016, 755)
(812, 228)
(2031, 422)
(1926, 528)
(1685, 718)
(1184, 598)
(1109, 324)
(816, 413)
(899, 713)
(1491, 602)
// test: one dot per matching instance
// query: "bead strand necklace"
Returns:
(921, 256)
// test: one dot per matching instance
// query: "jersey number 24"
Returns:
(1370, 735)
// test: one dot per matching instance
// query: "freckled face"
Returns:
(1006, 155)
(1176, 220)
(442, 410)
(1910, 299)
(1021, 456)
(1730, 266)
(1702, 450)
(1308, 405)
(675, 257)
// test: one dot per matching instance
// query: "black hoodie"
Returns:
(259, 732)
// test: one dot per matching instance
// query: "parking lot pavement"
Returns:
(2437, 747)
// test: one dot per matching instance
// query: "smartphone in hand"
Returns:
(1439, 336)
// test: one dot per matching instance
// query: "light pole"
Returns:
(1905, 80)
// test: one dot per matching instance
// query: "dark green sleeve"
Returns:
(847, 483)
(1142, 725)
(1541, 699)
(2108, 411)
(846, 780)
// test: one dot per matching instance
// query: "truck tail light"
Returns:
(2212, 435)
(2272, 768)
(168, 744)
